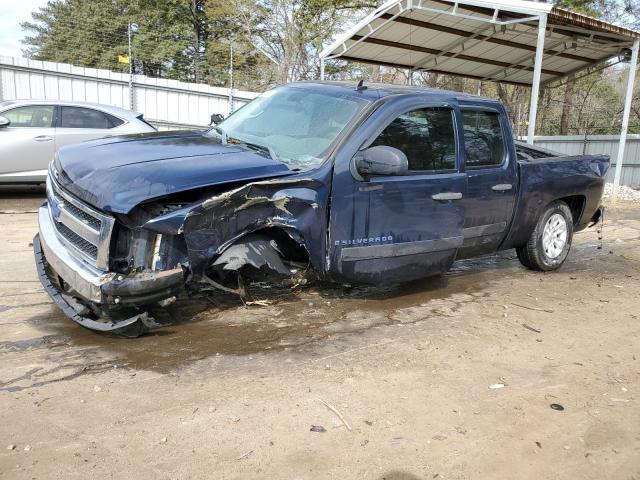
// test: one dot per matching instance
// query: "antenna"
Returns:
(360, 86)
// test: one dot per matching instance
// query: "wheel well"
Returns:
(257, 255)
(269, 247)
(576, 204)
(293, 249)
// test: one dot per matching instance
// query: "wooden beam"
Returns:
(409, 67)
(433, 51)
(497, 41)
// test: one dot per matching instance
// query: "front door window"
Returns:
(426, 136)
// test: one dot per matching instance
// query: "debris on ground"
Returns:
(261, 303)
(536, 309)
(318, 428)
(245, 455)
(334, 410)
(624, 193)
(557, 406)
(11, 447)
(495, 386)
(528, 327)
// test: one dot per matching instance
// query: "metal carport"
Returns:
(511, 41)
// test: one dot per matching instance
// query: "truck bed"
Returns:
(545, 176)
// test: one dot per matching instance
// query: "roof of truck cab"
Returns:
(375, 91)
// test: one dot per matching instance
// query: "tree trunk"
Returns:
(566, 106)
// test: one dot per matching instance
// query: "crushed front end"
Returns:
(101, 271)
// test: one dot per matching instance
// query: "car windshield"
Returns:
(293, 125)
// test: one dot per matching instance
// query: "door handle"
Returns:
(43, 138)
(447, 196)
(502, 187)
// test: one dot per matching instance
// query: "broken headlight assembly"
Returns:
(137, 250)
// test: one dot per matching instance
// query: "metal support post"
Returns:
(625, 117)
(535, 85)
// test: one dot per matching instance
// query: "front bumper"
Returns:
(89, 287)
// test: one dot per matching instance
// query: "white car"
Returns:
(31, 131)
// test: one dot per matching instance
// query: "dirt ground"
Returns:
(400, 379)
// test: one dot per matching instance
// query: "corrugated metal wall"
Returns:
(604, 144)
(170, 103)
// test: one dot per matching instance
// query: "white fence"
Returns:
(604, 144)
(166, 103)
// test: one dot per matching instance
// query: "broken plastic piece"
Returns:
(255, 250)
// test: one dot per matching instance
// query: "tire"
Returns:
(524, 260)
(550, 242)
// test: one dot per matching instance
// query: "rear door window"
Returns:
(426, 136)
(31, 116)
(483, 139)
(80, 117)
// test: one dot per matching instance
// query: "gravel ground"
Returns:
(492, 372)
(625, 193)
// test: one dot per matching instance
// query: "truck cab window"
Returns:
(426, 136)
(483, 139)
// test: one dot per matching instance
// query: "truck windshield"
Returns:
(294, 125)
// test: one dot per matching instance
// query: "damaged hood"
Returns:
(118, 173)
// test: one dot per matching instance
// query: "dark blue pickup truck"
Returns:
(355, 183)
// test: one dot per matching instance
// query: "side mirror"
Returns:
(382, 160)
(4, 122)
(216, 118)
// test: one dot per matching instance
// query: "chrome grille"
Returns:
(86, 247)
(84, 216)
(84, 230)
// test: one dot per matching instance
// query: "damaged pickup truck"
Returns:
(372, 184)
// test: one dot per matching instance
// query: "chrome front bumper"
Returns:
(105, 290)
(81, 277)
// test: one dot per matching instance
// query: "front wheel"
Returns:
(549, 244)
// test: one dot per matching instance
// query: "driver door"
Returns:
(399, 228)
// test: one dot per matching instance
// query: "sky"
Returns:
(12, 13)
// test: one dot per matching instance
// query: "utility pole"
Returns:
(132, 28)
(230, 76)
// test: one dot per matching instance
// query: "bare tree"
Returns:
(292, 33)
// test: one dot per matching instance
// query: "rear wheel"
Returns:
(549, 244)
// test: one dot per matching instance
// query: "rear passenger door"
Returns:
(79, 124)
(491, 179)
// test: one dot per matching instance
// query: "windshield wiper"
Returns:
(256, 147)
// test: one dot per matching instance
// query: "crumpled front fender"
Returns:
(295, 204)
(222, 220)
